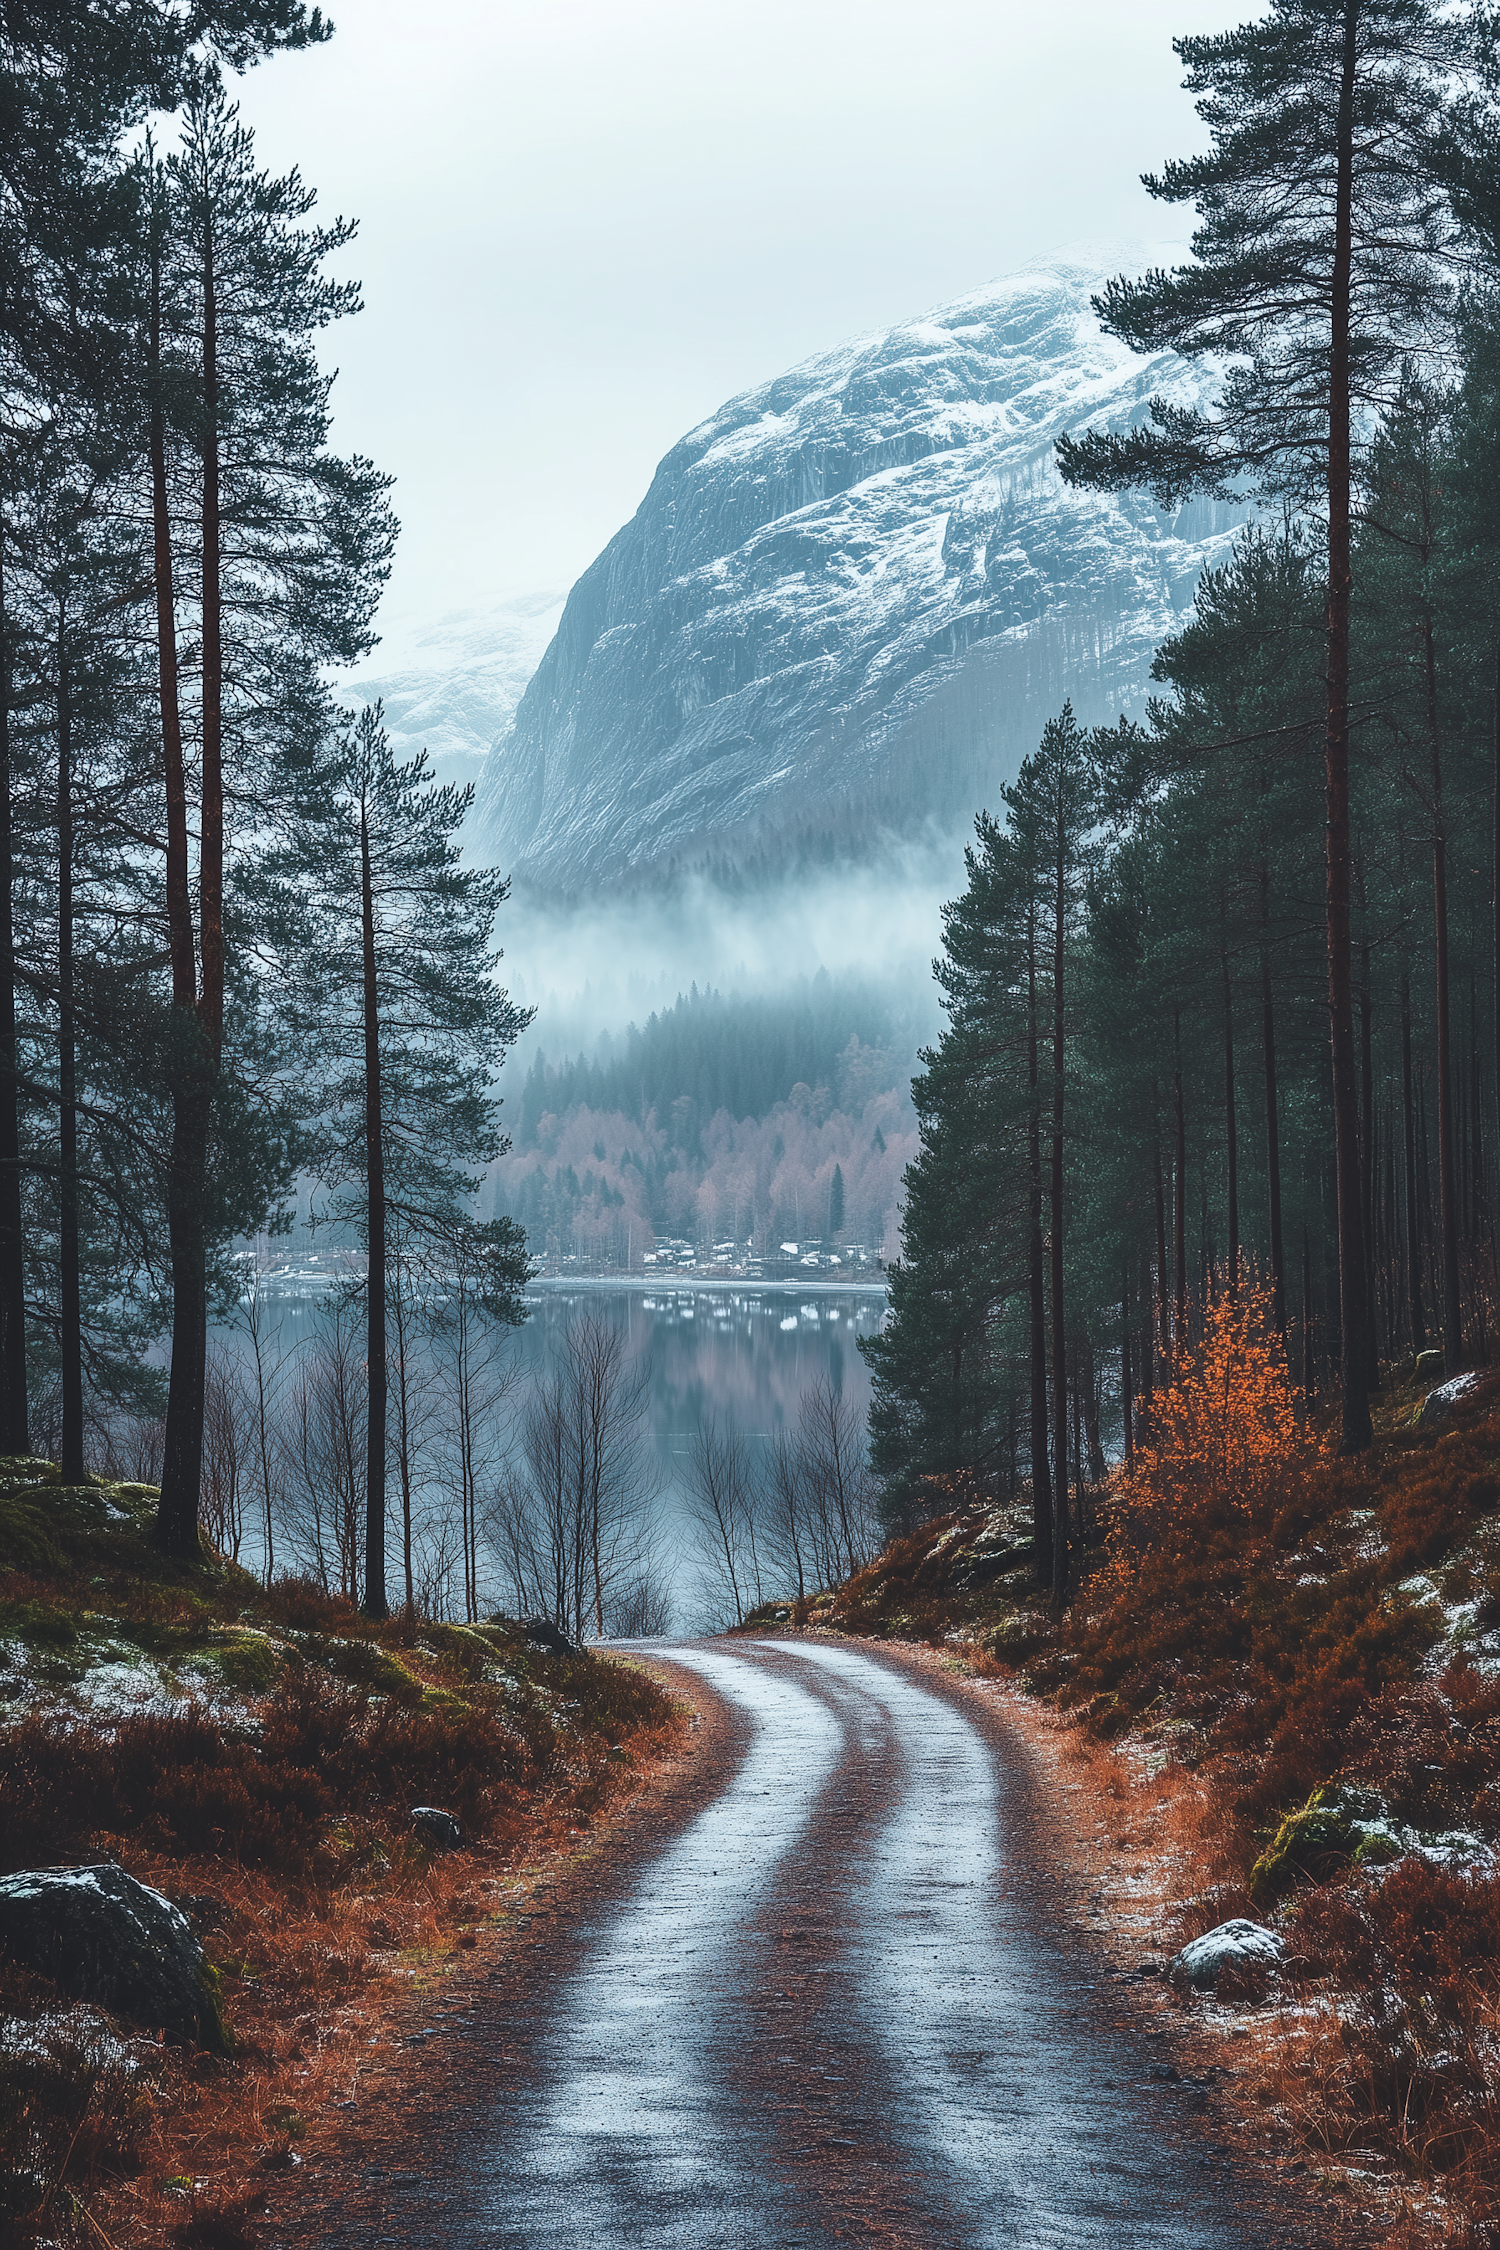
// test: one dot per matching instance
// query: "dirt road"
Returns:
(839, 2003)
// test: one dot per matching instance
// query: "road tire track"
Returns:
(831, 1993)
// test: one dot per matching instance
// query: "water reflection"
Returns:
(745, 1353)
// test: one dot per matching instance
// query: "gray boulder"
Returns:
(542, 1633)
(105, 1938)
(1238, 1944)
(437, 1827)
(1439, 1404)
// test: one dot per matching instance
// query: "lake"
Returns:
(746, 1353)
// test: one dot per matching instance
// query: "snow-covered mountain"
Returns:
(451, 685)
(851, 597)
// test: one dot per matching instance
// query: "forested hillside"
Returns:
(721, 1117)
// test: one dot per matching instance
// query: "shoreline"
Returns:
(783, 1285)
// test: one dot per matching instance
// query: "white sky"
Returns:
(583, 225)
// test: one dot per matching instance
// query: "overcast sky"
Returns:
(585, 223)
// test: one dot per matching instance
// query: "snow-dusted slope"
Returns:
(452, 686)
(852, 596)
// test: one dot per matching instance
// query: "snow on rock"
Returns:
(450, 685)
(1238, 1944)
(1438, 1404)
(106, 1938)
(855, 594)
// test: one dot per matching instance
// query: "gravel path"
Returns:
(838, 2002)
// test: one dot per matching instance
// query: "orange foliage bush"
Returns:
(1221, 1446)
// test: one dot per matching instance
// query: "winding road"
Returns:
(839, 2002)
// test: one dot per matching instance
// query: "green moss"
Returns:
(1377, 1849)
(41, 1625)
(364, 1664)
(213, 2027)
(247, 1661)
(26, 1539)
(1310, 1845)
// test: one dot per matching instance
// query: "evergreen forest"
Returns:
(1221, 991)
(237, 948)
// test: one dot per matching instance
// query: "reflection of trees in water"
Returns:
(285, 1455)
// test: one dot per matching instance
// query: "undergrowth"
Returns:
(1288, 1628)
(265, 1785)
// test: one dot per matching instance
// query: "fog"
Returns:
(596, 964)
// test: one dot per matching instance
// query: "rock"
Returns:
(1238, 1944)
(1439, 1404)
(438, 1827)
(1313, 1843)
(1429, 1365)
(542, 1633)
(106, 1938)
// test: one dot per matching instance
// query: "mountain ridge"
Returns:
(853, 594)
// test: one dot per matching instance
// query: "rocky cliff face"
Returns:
(450, 685)
(851, 598)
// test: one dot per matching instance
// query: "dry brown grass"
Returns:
(1240, 1641)
(275, 1808)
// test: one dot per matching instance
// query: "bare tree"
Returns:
(573, 1524)
(475, 1403)
(228, 1453)
(252, 1321)
(321, 1449)
(640, 1609)
(838, 1490)
(722, 1506)
(416, 1394)
(785, 1513)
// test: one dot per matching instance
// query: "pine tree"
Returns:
(280, 549)
(1324, 251)
(398, 989)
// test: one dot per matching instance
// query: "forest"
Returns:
(725, 1116)
(1171, 930)
(237, 946)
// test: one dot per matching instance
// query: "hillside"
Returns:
(1281, 1680)
(255, 1758)
(852, 596)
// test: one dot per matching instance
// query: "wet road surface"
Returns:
(840, 2004)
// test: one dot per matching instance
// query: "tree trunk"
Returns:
(403, 1422)
(14, 1438)
(1127, 1396)
(1273, 1145)
(1091, 1411)
(189, 1065)
(1495, 878)
(1059, 1333)
(1309, 1363)
(1179, 1193)
(1367, 1152)
(1041, 1482)
(374, 1604)
(1413, 1230)
(1163, 1306)
(1231, 1135)
(1354, 1354)
(1447, 1173)
(70, 1310)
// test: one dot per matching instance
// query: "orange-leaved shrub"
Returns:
(1219, 1448)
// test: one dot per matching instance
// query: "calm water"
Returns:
(745, 1353)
